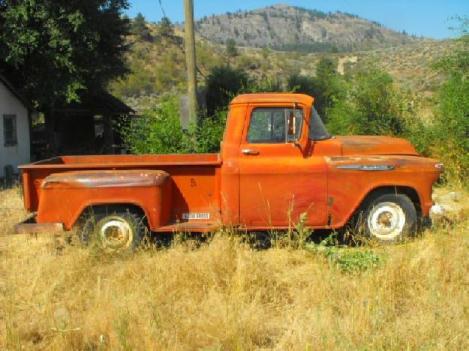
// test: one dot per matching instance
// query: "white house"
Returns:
(14, 128)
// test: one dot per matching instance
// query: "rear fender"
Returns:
(65, 196)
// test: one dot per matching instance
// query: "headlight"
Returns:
(440, 167)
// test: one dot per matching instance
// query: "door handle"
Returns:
(250, 152)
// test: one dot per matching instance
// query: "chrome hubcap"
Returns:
(116, 233)
(386, 221)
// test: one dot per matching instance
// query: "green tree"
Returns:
(327, 87)
(231, 49)
(56, 50)
(326, 68)
(330, 86)
(165, 28)
(222, 84)
(140, 29)
(299, 83)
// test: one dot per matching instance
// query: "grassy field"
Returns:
(226, 296)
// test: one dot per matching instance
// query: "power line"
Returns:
(162, 9)
(160, 2)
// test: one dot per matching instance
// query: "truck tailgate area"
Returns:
(194, 180)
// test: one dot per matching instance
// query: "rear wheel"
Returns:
(389, 218)
(114, 230)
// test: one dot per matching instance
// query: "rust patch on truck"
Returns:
(375, 145)
(105, 179)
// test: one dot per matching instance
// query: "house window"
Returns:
(9, 130)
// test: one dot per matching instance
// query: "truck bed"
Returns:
(190, 173)
(125, 161)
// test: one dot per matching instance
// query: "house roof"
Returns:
(115, 104)
(100, 102)
(15, 92)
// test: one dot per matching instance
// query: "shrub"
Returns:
(159, 131)
(420, 134)
(372, 106)
(299, 83)
(377, 104)
(231, 49)
(266, 84)
(353, 261)
(451, 129)
(346, 260)
(209, 133)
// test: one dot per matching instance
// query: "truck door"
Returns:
(278, 182)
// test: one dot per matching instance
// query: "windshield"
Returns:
(317, 129)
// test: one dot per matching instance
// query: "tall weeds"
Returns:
(223, 295)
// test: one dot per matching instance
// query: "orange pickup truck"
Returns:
(277, 163)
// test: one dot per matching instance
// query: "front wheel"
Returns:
(114, 231)
(389, 218)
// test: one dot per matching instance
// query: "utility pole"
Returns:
(189, 41)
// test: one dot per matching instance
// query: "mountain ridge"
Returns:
(292, 28)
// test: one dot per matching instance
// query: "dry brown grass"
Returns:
(225, 296)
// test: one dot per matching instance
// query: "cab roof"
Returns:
(273, 98)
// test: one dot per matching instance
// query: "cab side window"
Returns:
(275, 125)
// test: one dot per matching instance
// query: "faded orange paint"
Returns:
(254, 186)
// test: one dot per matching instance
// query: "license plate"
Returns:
(195, 215)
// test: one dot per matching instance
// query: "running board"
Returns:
(189, 227)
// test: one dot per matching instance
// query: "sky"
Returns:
(429, 18)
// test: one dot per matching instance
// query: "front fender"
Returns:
(352, 179)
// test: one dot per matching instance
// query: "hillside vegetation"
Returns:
(223, 295)
(157, 65)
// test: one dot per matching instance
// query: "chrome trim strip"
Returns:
(372, 168)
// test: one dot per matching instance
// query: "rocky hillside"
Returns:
(288, 28)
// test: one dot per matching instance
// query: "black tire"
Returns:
(113, 230)
(388, 218)
(259, 240)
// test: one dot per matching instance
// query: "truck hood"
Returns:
(375, 145)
